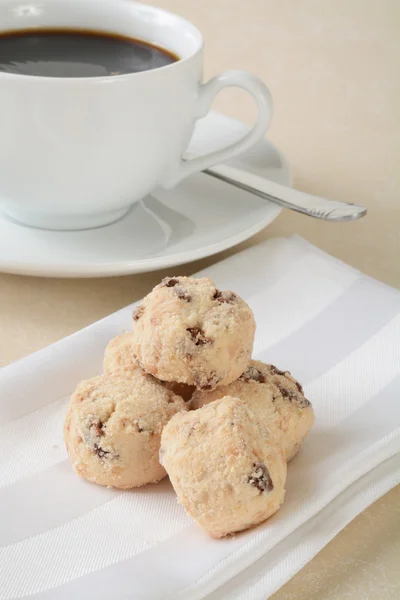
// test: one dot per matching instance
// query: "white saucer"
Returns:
(202, 216)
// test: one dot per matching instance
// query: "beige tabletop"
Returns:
(333, 67)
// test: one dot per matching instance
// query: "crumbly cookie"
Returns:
(275, 397)
(228, 470)
(113, 427)
(119, 355)
(188, 331)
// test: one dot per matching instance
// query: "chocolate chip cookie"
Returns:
(119, 353)
(228, 470)
(188, 331)
(113, 427)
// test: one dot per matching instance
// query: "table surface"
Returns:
(333, 69)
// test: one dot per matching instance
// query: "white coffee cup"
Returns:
(76, 153)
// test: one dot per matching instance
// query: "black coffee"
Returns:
(69, 53)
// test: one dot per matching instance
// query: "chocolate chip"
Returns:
(98, 450)
(260, 478)
(252, 374)
(286, 392)
(292, 396)
(227, 297)
(182, 295)
(275, 371)
(169, 282)
(299, 387)
(303, 402)
(97, 429)
(138, 312)
(198, 337)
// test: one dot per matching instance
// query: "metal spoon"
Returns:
(313, 206)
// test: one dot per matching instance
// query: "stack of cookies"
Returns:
(181, 396)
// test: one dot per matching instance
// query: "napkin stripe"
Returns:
(335, 332)
(27, 520)
(97, 539)
(33, 443)
(278, 255)
(354, 379)
(289, 294)
(74, 363)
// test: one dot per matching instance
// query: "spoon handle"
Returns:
(313, 206)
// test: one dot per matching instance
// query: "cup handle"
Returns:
(256, 88)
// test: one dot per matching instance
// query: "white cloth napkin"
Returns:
(61, 537)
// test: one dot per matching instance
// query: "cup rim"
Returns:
(110, 78)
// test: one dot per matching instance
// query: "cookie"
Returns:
(113, 428)
(188, 331)
(275, 397)
(227, 469)
(119, 355)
